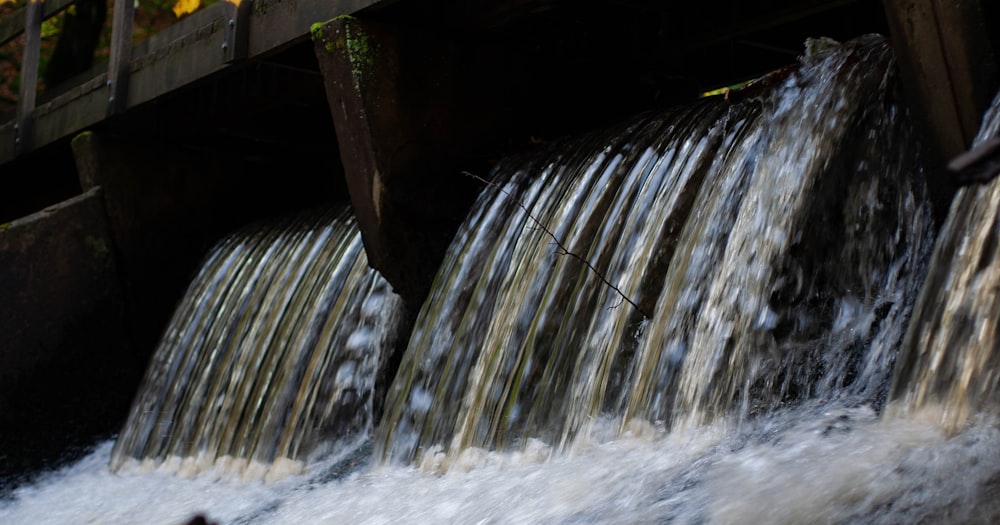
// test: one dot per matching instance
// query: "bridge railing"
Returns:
(28, 21)
(195, 46)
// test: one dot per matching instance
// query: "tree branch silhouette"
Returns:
(558, 242)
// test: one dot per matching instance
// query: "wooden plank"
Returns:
(231, 14)
(275, 24)
(387, 142)
(769, 21)
(193, 48)
(237, 30)
(12, 25)
(171, 64)
(120, 55)
(947, 64)
(72, 112)
(52, 7)
(181, 29)
(8, 138)
(29, 72)
(190, 50)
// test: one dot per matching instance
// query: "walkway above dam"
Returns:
(195, 47)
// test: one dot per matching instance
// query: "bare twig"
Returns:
(559, 244)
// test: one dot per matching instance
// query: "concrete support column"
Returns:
(66, 369)
(948, 66)
(168, 204)
(161, 210)
(410, 109)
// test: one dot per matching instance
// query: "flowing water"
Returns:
(274, 349)
(692, 318)
(788, 248)
(949, 362)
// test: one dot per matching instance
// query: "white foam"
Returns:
(801, 466)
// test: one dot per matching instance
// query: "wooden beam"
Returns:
(120, 55)
(769, 21)
(29, 72)
(275, 24)
(12, 25)
(948, 67)
(195, 47)
(72, 111)
(408, 107)
(8, 141)
(236, 41)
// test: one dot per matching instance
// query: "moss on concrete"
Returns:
(357, 45)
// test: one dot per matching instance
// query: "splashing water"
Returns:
(775, 241)
(949, 363)
(804, 284)
(802, 465)
(273, 350)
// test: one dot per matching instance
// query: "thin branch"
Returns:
(561, 246)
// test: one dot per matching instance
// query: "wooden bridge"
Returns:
(197, 46)
(229, 33)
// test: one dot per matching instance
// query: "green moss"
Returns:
(358, 44)
(82, 136)
(97, 246)
(360, 51)
(4, 226)
(316, 30)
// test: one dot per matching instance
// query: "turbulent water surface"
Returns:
(809, 465)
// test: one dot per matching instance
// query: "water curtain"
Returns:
(949, 367)
(273, 350)
(720, 259)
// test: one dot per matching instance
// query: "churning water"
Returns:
(801, 466)
(694, 318)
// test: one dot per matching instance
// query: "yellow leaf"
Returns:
(183, 7)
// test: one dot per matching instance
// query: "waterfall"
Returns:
(731, 312)
(720, 259)
(273, 350)
(802, 276)
(949, 365)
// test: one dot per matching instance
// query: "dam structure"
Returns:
(352, 249)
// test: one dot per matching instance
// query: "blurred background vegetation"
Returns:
(77, 39)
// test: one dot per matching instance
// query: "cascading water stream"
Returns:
(800, 281)
(548, 300)
(274, 349)
(786, 243)
(752, 260)
(949, 363)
